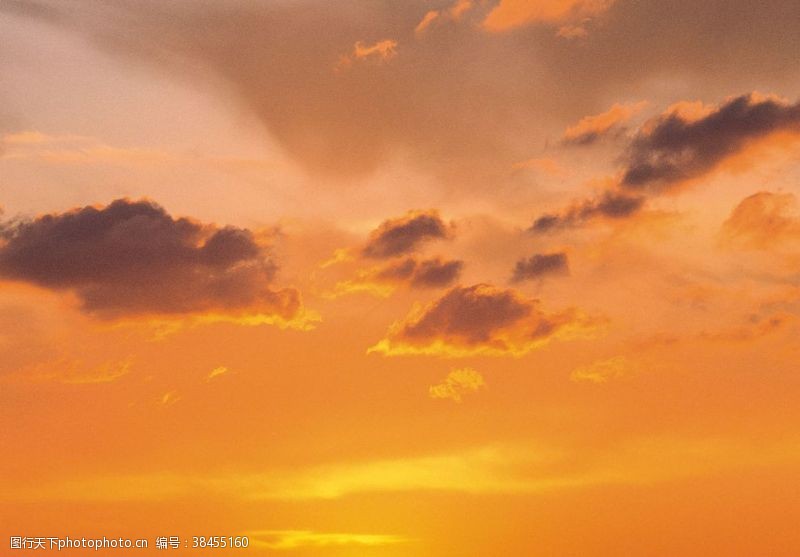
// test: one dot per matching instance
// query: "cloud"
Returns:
(675, 147)
(540, 265)
(169, 398)
(405, 234)
(572, 32)
(603, 371)
(76, 372)
(755, 328)
(523, 468)
(544, 165)
(479, 319)
(512, 14)
(686, 142)
(409, 272)
(443, 104)
(297, 539)
(763, 220)
(133, 258)
(458, 383)
(453, 13)
(216, 372)
(428, 273)
(378, 52)
(591, 128)
(611, 205)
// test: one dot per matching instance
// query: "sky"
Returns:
(428, 278)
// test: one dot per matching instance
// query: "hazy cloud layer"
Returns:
(452, 95)
(132, 257)
(763, 220)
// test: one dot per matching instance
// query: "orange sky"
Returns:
(430, 279)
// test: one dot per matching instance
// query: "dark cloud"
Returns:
(540, 265)
(611, 205)
(405, 234)
(474, 319)
(429, 273)
(132, 257)
(672, 149)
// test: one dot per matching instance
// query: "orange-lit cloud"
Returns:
(453, 13)
(457, 384)
(592, 128)
(378, 52)
(511, 14)
(479, 319)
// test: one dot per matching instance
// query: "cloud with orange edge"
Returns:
(131, 258)
(481, 319)
(685, 143)
(408, 272)
(677, 147)
(591, 128)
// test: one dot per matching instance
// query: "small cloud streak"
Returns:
(603, 371)
(609, 206)
(453, 13)
(592, 128)
(541, 265)
(216, 372)
(379, 52)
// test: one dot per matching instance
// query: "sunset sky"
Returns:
(420, 278)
